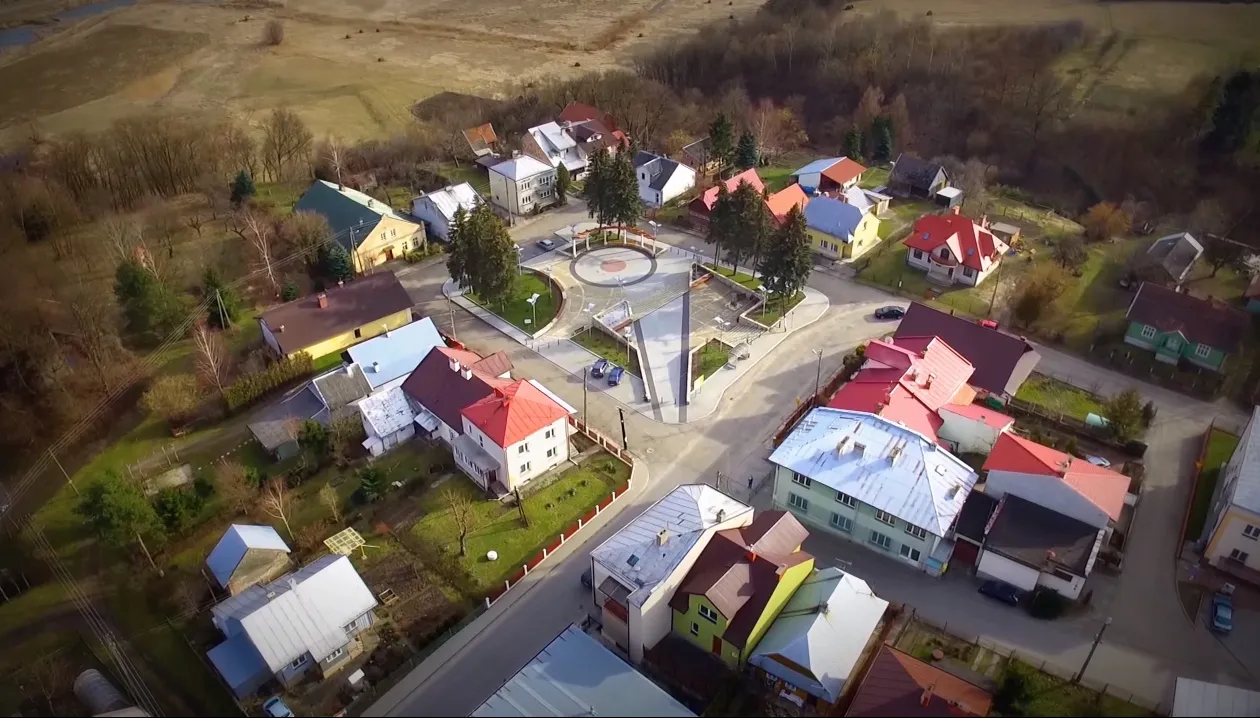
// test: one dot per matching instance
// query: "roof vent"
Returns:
(280, 328)
(376, 367)
(662, 537)
(271, 594)
(467, 374)
(894, 454)
(371, 203)
(953, 492)
(927, 383)
(1065, 466)
(859, 449)
(721, 515)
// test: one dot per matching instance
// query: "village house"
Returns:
(371, 232)
(954, 249)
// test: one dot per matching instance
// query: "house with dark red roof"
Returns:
(922, 384)
(1180, 327)
(701, 207)
(1002, 361)
(503, 432)
(954, 249)
(898, 684)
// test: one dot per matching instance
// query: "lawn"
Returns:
(326, 362)
(467, 172)
(708, 359)
(1220, 446)
(775, 307)
(1049, 695)
(32, 605)
(747, 281)
(1059, 397)
(874, 177)
(605, 346)
(886, 266)
(498, 527)
(518, 312)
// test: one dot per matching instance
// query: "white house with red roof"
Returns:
(922, 384)
(1058, 481)
(515, 433)
(701, 208)
(954, 249)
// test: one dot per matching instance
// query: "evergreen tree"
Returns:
(853, 143)
(242, 188)
(119, 513)
(598, 192)
(224, 306)
(563, 181)
(788, 258)
(722, 141)
(624, 204)
(722, 221)
(749, 227)
(289, 291)
(151, 310)
(882, 129)
(746, 151)
(458, 262)
(497, 257)
(336, 262)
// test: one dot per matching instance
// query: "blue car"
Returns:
(600, 367)
(614, 376)
(1004, 592)
(1222, 613)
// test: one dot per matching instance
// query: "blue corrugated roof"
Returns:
(238, 539)
(238, 662)
(575, 676)
(396, 353)
(833, 217)
(817, 166)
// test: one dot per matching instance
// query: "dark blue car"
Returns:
(614, 376)
(599, 368)
(1004, 592)
(1222, 613)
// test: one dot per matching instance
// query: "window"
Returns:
(358, 333)
(382, 235)
(797, 502)
(349, 627)
(708, 614)
(298, 662)
(393, 233)
(881, 540)
(966, 271)
(415, 243)
(1148, 332)
(551, 434)
(551, 452)
(335, 655)
(910, 553)
(1173, 343)
(1251, 532)
(1062, 575)
(522, 447)
(916, 532)
(695, 628)
(802, 480)
(525, 467)
(846, 499)
(1202, 351)
(1240, 556)
(918, 254)
(844, 523)
(885, 517)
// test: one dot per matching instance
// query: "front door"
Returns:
(717, 645)
(389, 254)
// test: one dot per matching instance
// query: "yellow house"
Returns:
(739, 585)
(330, 321)
(369, 229)
(1232, 530)
(840, 230)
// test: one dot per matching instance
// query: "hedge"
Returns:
(252, 387)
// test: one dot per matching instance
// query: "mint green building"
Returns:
(1178, 327)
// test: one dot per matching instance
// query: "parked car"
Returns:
(1002, 591)
(546, 244)
(587, 578)
(890, 313)
(276, 708)
(614, 376)
(1222, 612)
(1098, 461)
(599, 368)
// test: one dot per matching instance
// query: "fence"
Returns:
(852, 363)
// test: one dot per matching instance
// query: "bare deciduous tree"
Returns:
(286, 141)
(187, 593)
(343, 435)
(195, 221)
(120, 236)
(275, 501)
(51, 675)
(336, 156)
(255, 229)
(212, 358)
(331, 501)
(463, 513)
(231, 483)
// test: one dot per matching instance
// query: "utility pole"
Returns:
(450, 307)
(63, 472)
(227, 321)
(1097, 639)
(149, 556)
(997, 282)
(625, 445)
(817, 374)
(584, 371)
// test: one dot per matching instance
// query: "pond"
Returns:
(29, 33)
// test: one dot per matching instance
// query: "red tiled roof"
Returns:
(968, 243)
(901, 685)
(1104, 488)
(783, 200)
(844, 171)
(976, 412)
(581, 112)
(750, 176)
(513, 411)
(1002, 362)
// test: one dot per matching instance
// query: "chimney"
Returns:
(956, 209)
(984, 221)
(894, 454)
(376, 367)
(467, 374)
(341, 283)
(927, 383)
(721, 515)
(928, 692)
(859, 449)
(371, 203)
(323, 300)
(341, 187)
(662, 537)
(750, 554)
(280, 328)
(349, 370)
(844, 441)
(454, 365)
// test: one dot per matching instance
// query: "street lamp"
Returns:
(533, 305)
(817, 373)
(519, 252)
(1097, 639)
(655, 229)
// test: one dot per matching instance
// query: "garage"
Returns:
(1017, 574)
(965, 553)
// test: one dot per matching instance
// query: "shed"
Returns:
(948, 197)
(246, 555)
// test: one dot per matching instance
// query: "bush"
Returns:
(273, 33)
(1046, 605)
(1148, 413)
(289, 291)
(249, 389)
(178, 508)
(1011, 695)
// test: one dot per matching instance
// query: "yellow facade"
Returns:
(390, 239)
(865, 238)
(354, 336)
(1231, 538)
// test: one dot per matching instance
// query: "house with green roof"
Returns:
(369, 229)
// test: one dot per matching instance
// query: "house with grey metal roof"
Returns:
(275, 425)
(575, 676)
(307, 620)
(247, 555)
(387, 359)
(1232, 537)
(635, 573)
(1170, 259)
(437, 209)
(661, 179)
(814, 645)
(522, 184)
(870, 480)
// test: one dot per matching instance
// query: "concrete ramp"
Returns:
(663, 339)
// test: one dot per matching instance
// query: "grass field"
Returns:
(744, 279)
(1220, 446)
(498, 527)
(1056, 396)
(519, 312)
(709, 359)
(1049, 695)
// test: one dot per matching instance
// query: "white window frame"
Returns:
(522, 447)
(1251, 531)
(1148, 331)
(551, 433)
(916, 531)
(695, 628)
(707, 613)
(841, 523)
(883, 541)
(797, 502)
(525, 468)
(334, 655)
(885, 518)
(298, 662)
(802, 479)
(1239, 556)
(1202, 351)
(393, 233)
(908, 552)
(551, 452)
(846, 499)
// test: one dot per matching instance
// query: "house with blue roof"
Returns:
(369, 229)
(247, 555)
(840, 230)
(875, 482)
(387, 359)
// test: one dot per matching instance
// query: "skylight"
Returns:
(634, 559)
